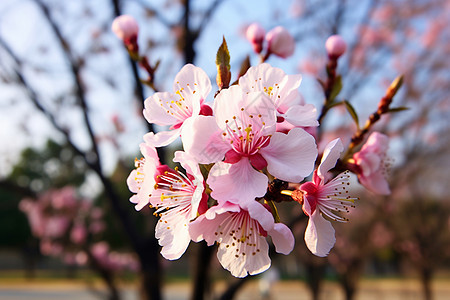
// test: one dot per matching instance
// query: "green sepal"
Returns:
(352, 112)
(337, 87)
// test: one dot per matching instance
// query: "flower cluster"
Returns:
(69, 228)
(251, 148)
(233, 149)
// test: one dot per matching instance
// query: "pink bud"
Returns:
(280, 42)
(125, 27)
(335, 46)
(255, 34)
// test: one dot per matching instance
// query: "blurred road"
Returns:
(370, 290)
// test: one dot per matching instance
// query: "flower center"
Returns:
(181, 108)
(245, 136)
(172, 188)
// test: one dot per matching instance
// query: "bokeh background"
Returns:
(71, 123)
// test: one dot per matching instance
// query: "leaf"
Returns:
(396, 85)
(336, 89)
(352, 112)
(223, 55)
(397, 109)
(223, 66)
(335, 103)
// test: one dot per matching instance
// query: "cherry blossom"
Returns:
(177, 198)
(141, 180)
(371, 164)
(241, 235)
(280, 42)
(335, 46)
(125, 28)
(282, 89)
(242, 132)
(324, 197)
(255, 35)
(191, 87)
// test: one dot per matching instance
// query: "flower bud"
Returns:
(335, 46)
(280, 42)
(125, 27)
(255, 35)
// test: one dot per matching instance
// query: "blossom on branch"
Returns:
(282, 89)
(371, 164)
(323, 197)
(243, 133)
(191, 87)
(280, 42)
(241, 235)
(125, 28)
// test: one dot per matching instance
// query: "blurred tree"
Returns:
(72, 73)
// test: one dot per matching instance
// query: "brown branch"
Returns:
(130, 228)
(75, 69)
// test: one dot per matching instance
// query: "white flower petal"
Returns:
(290, 157)
(330, 156)
(155, 113)
(282, 238)
(202, 139)
(302, 115)
(162, 138)
(319, 235)
(238, 183)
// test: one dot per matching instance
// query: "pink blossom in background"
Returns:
(280, 42)
(97, 227)
(375, 36)
(241, 235)
(56, 226)
(78, 233)
(384, 13)
(190, 89)
(34, 213)
(125, 28)
(81, 258)
(64, 198)
(100, 251)
(309, 66)
(434, 30)
(371, 164)
(96, 213)
(325, 197)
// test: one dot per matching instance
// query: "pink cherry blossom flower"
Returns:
(282, 89)
(177, 198)
(64, 198)
(242, 131)
(255, 35)
(78, 234)
(241, 235)
(191, 86)
(34, 211)
(371, 164)
(280, 42)
(141, 180)
(325, 197)
(125, 28)
(335, 46)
